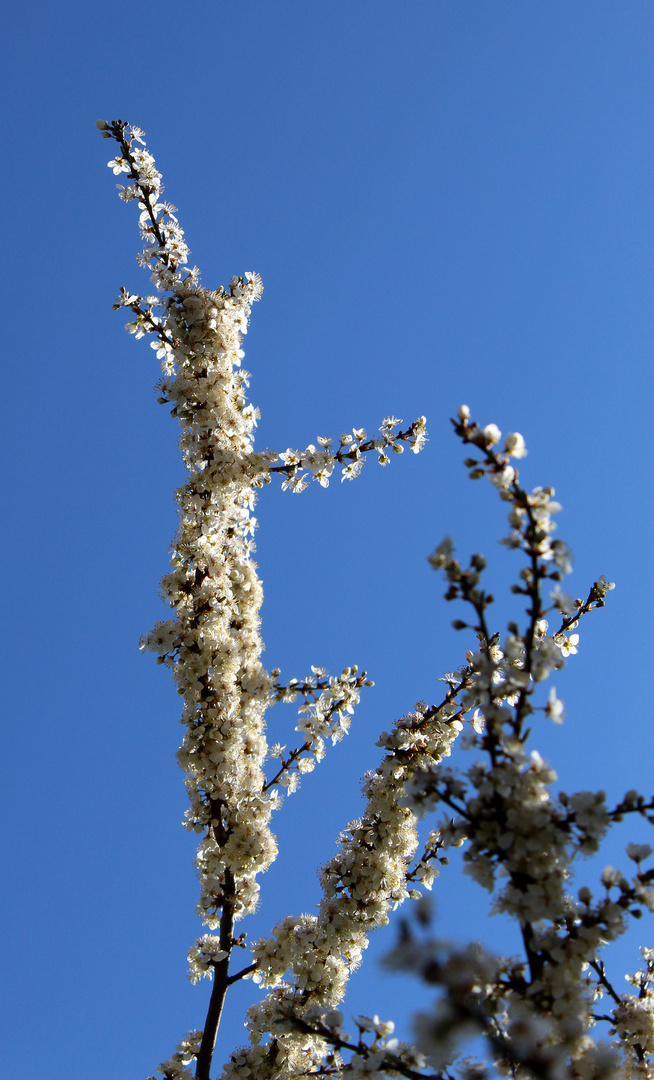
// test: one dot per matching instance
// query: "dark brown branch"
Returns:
(598, 968)
(241, 974)
(221, 982)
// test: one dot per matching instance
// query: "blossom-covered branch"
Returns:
(519, 840)
(308, 959)
(324, 713)
(350, 453)
(537, 1013)
(213, 643)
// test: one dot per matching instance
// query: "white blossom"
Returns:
(519, 839)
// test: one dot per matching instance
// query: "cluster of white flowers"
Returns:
(213, 643)
(177, 1066)
(362, 883)
(375, 1053)
(349, 453)
(328, 703)
(519, 840)
(489, 995)
(203, 956)
(633, 1018)
(538, 1014)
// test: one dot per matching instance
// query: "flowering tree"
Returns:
(539, 1012)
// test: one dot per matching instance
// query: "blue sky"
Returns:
(447, 202)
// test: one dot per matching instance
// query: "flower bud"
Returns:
(492, 434)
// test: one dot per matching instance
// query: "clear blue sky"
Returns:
(448, 202)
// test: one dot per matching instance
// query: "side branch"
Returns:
(350, 454)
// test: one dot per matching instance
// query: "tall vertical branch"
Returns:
(220, 983)
(212, 644)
